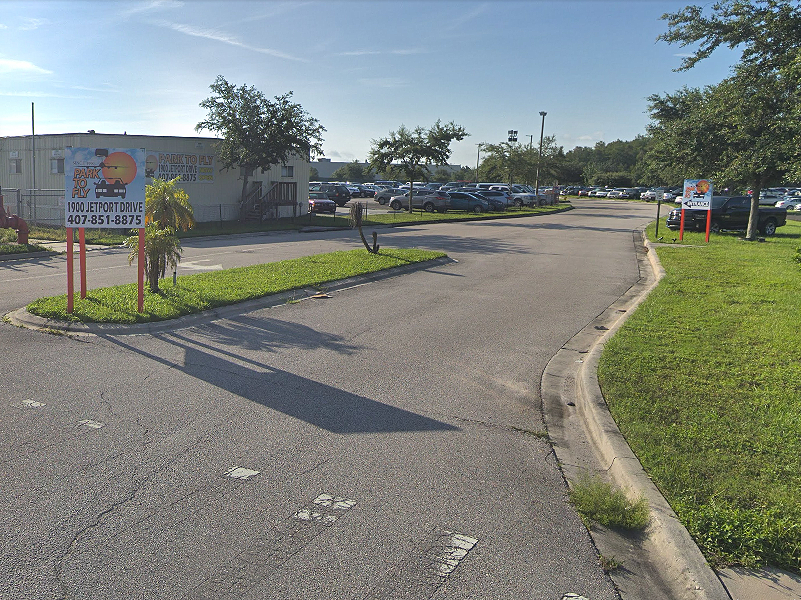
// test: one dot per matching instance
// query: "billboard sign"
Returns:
(189, 168)
(105, 187)
(697, 194)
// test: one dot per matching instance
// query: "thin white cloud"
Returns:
(409, 51)
(3, 26)
(384, 82)
(43, 95)
(459, 22)
(29, 24)
(360, 53)
(8, 65)
(399, 52)
(152, 6)
(225, 38)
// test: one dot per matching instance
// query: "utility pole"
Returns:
(537, 181)
(478, 158)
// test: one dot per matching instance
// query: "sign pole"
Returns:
(70, 282)
(681, 226)
(82, 260)
(140, 278)
(708, 223)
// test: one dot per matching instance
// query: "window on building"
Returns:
(15, 165)
(56, 165)
(287, 171)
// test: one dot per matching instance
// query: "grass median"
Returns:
(704, 382)
(204, 291)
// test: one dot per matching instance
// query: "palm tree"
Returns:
(168, 205)
(162, 250)
(167, 209)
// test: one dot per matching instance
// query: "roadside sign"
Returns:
(697, 194)
(105, 187)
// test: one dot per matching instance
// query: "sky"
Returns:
(361, 68)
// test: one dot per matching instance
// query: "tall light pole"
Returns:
(478, 158)
(539, 159)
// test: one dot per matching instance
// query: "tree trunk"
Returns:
(753, 217)
(244, 191)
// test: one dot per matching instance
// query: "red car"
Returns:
(321, 203)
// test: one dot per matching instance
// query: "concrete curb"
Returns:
(22, 318)
(663, 561)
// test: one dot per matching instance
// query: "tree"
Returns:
(354, 171)
(750, 120)
(415, 150)
(169, 205)
(314, 175)
(167, 209)
(162, 250)
(257, 132)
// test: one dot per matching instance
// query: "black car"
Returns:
(338, 193)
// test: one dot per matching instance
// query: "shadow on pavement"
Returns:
(322, 405)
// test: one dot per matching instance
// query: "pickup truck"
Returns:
(729, 212)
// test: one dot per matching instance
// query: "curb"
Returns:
(663, 561)
(22, 318)
(24, 255)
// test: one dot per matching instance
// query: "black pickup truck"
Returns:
(729, 212)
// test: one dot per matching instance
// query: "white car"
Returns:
(790, 203)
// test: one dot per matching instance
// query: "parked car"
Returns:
(615, 193)
(789, 202)
(496, 204)
(730, 213)
(428, 200)
(335, 192)
(320, 203)
(504, 197)
(469, 202)
(385, 195)
(367, 191)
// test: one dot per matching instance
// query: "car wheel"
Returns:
(382, 201)
(519, 203)
(428, 207)
(395, 205)
(477, 209)
(769, 228)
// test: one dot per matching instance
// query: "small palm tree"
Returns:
(162, 250)
(167, 204)
(167, 209)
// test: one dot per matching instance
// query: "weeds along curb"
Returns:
(586, 438)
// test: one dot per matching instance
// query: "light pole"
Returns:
(478, 158)
(539, 159)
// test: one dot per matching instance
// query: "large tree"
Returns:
(750, 120)
(415, 151)
(258, 132)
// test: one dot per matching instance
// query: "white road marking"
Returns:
(33, 404)
(193, 265)
(88, 423)
(241, 473)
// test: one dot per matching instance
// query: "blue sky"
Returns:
(361, 68)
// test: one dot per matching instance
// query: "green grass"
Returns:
(704, 382)
(600, 502)
(115, 237)
(203, 291)
(9, 245)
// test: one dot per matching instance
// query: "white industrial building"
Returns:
(33, 182)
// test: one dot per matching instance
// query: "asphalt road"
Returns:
(395, 427)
